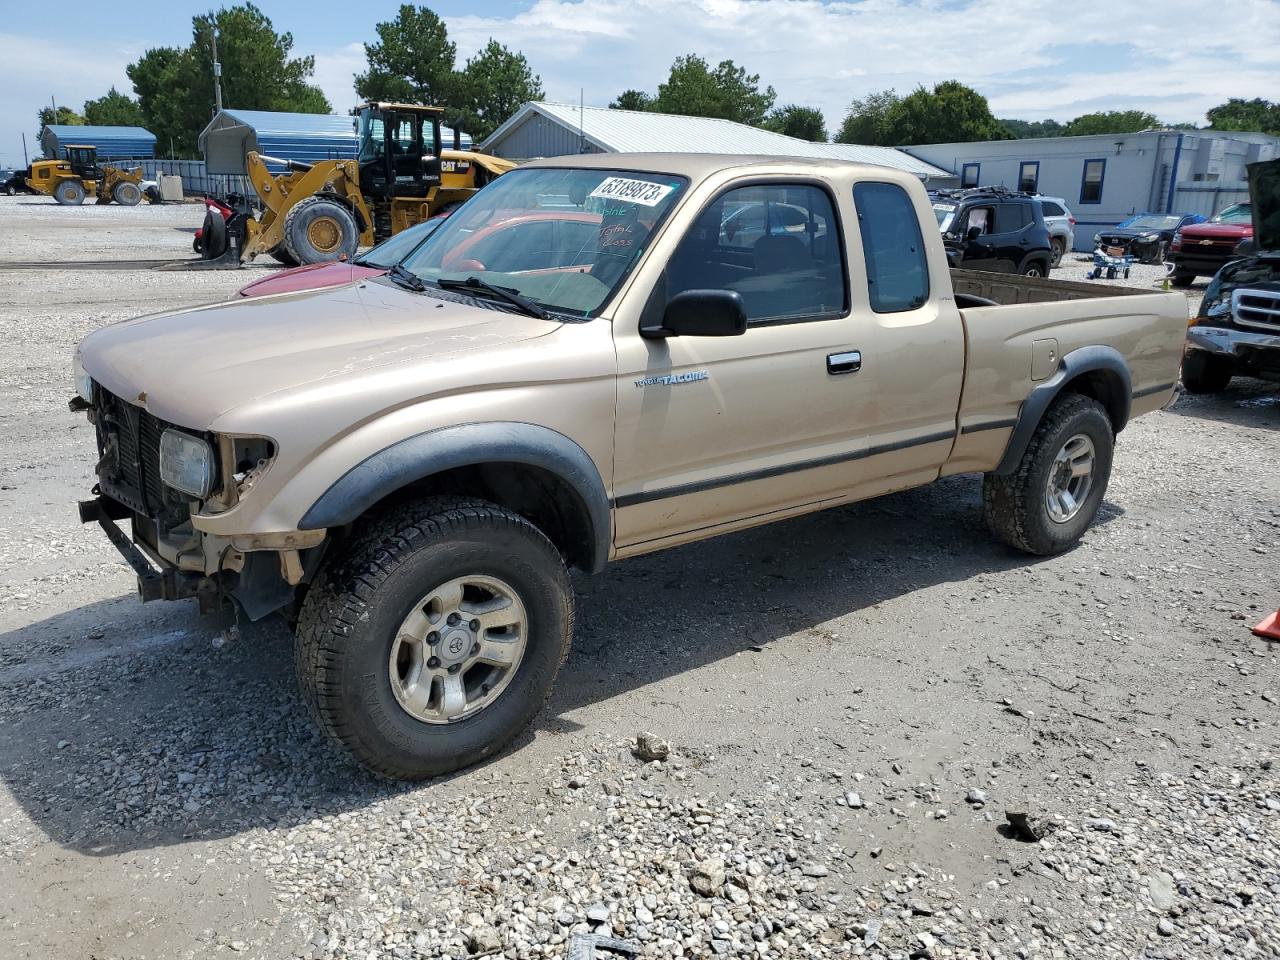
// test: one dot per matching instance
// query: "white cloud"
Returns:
(335, 73)
(36, 69)
(825, 54)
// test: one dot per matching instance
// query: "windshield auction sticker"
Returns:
(632, 191)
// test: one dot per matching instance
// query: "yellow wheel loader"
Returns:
(317, 212)
(69, 181)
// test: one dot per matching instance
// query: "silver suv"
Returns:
(1061, 224)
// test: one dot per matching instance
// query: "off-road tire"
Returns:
(213, 236)
(281, 255)
(1182, 280)
(1013, 505)
(326, 216)
(1059, 251)
(360, 597)
(1203, 372)
(127, 194)
(69, 193)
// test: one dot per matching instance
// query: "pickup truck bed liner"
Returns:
(1010, 288)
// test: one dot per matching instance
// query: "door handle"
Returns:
(847, 362)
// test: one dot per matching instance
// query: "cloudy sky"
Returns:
(1031, 59)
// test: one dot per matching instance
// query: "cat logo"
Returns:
(455, 166)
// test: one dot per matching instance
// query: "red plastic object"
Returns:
(1269, 628)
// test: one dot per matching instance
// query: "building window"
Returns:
(1091, 181)
(1029, 176)
(897, 272)
(969, 175)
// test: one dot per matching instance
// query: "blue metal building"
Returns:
(113, 143)
(307, 137)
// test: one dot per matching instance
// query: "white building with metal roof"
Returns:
(561, 129)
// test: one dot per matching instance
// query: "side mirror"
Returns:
(702, 313)
(973, 233)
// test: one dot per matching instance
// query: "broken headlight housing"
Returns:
(84, 382)
(186, 463)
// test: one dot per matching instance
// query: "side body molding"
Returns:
(435, 451)
(1110, 374)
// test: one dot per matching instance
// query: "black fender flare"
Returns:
(1107, 361)
(467, 445)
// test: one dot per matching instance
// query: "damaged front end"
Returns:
(158, 476)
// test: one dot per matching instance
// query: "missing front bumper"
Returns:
(154, 583)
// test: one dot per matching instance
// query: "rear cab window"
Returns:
(892, 247)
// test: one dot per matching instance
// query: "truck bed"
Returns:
(1010, 288)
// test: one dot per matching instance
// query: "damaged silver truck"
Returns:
(1237, 329)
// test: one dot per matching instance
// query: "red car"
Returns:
(375, 263)
(1200, 249)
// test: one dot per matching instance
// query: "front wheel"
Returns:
(435, 637)
(1206, 373)
(1045, 505)
(319, 230)
(127, 193)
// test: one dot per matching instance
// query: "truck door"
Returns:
(716, 431)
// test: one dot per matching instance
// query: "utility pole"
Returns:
(25, 161)
(217, 74)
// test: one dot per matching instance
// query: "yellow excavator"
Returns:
(69, 181)
(323, 211)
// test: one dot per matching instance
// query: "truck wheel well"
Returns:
(540, 496)
(1105, 387)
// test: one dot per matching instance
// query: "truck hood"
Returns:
(1264, 195)
(1199, 231)
(191, 366)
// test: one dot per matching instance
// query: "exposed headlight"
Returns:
(84, 382)
(186, 463)
(1148, 237)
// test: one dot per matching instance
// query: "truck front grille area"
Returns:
(129, 460)
(1254, 307)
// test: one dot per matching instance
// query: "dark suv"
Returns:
(989, 228)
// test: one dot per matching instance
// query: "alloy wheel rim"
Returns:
(458, 649)
(1070, 479)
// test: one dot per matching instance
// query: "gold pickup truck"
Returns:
(593, 358)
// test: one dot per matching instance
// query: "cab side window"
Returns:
(777, 245)
(893, 248)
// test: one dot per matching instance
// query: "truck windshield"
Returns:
(944, 212)
(563, 238)
(1236, 213)
(1152, 222)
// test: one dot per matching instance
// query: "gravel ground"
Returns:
(853, 703)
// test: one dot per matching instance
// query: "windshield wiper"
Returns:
(404, 277)
(512, 297)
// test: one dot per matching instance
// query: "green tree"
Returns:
(115, 109)
(632, 100)
(867, 121)
(949, 113)
(412, 61)
(175, 85)
(728, 92)
(491, 87)
(1254, 116)
(1032, 129)
(1111, 121)
(806, 123)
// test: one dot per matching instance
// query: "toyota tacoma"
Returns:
(407, 465)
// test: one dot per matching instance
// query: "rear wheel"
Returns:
(320, 230)
(435, 637)
(69, 193)
(281, 255)
(1182, 280)
(1205, 372)
(1034, 269)
(127, 194)
(1046, 504)
(213, 236)
(1059, 251)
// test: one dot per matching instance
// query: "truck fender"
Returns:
(468, 445)
(1111, 385)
